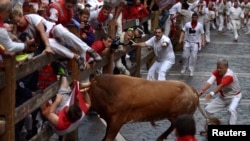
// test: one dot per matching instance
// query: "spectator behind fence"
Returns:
(117, 6)
(121, 46)
(135, 11)
(101, 46)
(99, 20)
(5, 40)
(163, 11)
(61, 12)
(94, 4)
(86, 30)
(185, 128)
(165, 57)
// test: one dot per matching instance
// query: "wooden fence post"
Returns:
(7, 99)
(72, 65)
(109, 67)
(73, 136)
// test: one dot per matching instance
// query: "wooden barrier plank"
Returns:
(2, 79)
(35, 64)
(132, 22)
(35, 102)
(43, 135)
(7, 99)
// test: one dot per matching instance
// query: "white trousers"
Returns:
(236, 24)
(119, 25)
(60, 49)
(207, 31)
(167, 26)
(159, 70)
(189, 55)
(220, 102)
(65, 37)
(221, 22)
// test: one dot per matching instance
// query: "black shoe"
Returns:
(95, 55)
(81, 63)
(59, 68)
(31, 133)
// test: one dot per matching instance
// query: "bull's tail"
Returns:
(209, 120)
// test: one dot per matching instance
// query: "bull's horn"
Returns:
(85, 85)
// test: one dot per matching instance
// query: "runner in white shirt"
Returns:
(95, 4)
(185, 15)
(199, 8)
(165, 57)
(245, 6)
(209, 18)
(173, 13)
(222, 11)
(194, 39)
(236, 15)
(228, 91)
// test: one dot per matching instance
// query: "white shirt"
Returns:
(193, 35)
(209, 15)
(34, 20)
(236, 13)
(7, 43)
(231, 89)
(95, 4)
(114, 3)
(245, 7)
(162, 53)
(95, 23)
(176, 8)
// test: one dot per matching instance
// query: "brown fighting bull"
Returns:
(120, 99)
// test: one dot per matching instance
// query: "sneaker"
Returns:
(125, 71)
(191, 73)
(95, 55)
(183, 70)
(59, 68)
(81, 63)
(248, 32)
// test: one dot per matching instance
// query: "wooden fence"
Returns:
(9, 73)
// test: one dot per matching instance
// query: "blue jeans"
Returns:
(164, 14)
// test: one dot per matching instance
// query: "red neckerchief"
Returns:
(194, 24)
(187, 138)
(22, 29)
(1, 23)
(100, 17)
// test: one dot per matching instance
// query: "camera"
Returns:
(86, 27)
(116, 43)
(129, 2)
